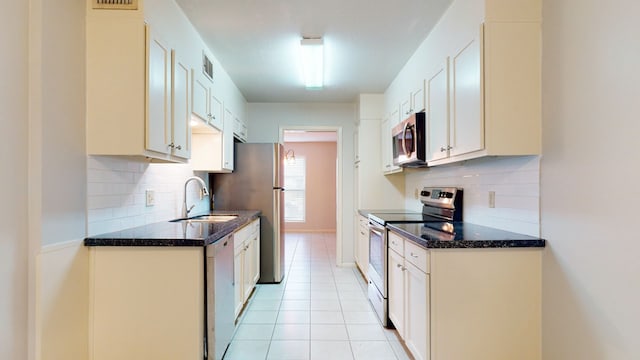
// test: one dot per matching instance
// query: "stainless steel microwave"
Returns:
(408, 140)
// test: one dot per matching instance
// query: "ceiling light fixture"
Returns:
(313, 62)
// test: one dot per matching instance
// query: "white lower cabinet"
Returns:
(362, 245)
(409, 299)
(246, 263)
(146, 302)
(416, 326)
(459, 304)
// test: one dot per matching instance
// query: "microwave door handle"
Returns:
(404, 139)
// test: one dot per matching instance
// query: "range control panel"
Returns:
(445, 197)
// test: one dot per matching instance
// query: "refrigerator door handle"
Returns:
(278, 248)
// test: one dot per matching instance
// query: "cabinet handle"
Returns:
(414, 256)
(449, 147)
(442, 149)
(179, 147)
(398, 265)
(172, 145)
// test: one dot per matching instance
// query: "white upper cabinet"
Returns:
(204, 103)
(414, 102)
(215, 114)
(437, 112)
(482, 66)
(240, 128)
(181, 108)
(141, 89)
(227, 141)
(200, 100)
(158, 94)
(137, 90)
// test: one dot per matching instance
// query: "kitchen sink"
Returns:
(209, 218)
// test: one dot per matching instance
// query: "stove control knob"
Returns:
(424, 193)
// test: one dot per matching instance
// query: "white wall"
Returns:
(265, 120)
(515, 181)
(57, 180)
(590, 174)
(13, 182)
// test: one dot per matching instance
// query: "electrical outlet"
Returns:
(150, 197)
(492, 199)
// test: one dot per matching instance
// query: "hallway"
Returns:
(319, 311)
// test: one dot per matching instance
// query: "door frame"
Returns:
(339, 176)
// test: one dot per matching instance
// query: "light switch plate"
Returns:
(492, 199)
(150, 197)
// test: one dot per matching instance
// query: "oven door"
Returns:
(378, 257)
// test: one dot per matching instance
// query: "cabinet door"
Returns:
(416, 335)
(227, 141)
(395, 117)
(247, 270)
(437, 113)
(466, 121)
(255, 258)
(396, 291)
(417, 98)
(385, 145)
(200, 96)
(363, 239)
(216, 118)
(158, 126)
(181, 114)
(405, 107)
(238, 280)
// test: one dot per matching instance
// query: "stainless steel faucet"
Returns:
(203, 192)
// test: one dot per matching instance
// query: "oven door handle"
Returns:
(376, 228)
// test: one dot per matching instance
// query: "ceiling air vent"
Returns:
(207, 66)
(116, 4)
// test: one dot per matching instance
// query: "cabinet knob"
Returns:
(179, 147)
(172, 145)
(442, 149)
(399, 266)
(449, 147)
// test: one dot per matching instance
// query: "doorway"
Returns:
(312, 181)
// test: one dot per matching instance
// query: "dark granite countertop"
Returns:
(180, 233)
(466, 236)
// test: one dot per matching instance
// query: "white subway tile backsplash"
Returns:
(515, 181)
(116, 197)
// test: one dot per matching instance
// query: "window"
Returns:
(294, 186)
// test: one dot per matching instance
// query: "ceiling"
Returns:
(366, 43)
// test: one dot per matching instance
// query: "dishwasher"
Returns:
(220, 321)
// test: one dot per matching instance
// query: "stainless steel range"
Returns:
(443, 204)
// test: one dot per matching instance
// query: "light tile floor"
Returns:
(319, 311)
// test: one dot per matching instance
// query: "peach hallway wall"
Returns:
(320, 186)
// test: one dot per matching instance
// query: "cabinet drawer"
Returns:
(396, 242)
(416, 255)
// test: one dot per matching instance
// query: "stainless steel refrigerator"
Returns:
(256, 184)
